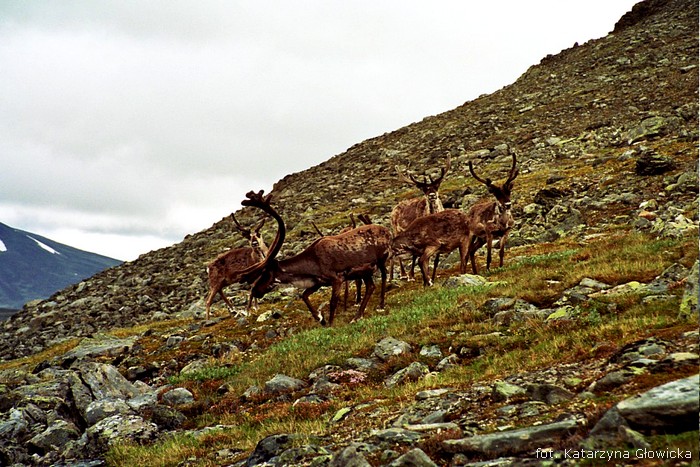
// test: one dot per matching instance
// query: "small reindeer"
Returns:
(328, 261)
(409, 210)
(491, 219)
(226, 268)
(442, 232)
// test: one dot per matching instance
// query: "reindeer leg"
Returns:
(358, 288)
(305, 296)
(369, 290)
(411, 272)
(435, 266)
(502, 247)
(403, 271)
(335, 298)
(345, 298)
(489, 244)
(210, 299)
(382, 269)
(477, 243)
(423, 265)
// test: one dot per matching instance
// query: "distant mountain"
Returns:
(34, 267)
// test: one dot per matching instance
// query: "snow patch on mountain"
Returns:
(44, 246)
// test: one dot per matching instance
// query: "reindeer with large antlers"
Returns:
(489, 220)
(328, 261)
(442, 232)
(409, 210)
(226, 268)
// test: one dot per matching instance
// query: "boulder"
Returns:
(671, 407)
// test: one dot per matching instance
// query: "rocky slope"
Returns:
(606, 134)
(568, 117)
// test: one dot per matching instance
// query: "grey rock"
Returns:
(100, 409)
(413, 372)
(166, 417)
(269, 447)
(431, 393)
(54, 438)
(282, 384)
(178, 396)
(100, 346)
(672, 407)
(503, 391)
(413, 458)
(512, 441)
(396, 435)
(105, 381)
(432, 351)
(447, 362)
(390, 347)
(465, 280)
(689, 303)
(116, 429)
(349, 457)
(549, 393)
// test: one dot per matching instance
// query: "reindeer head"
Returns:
(428, 186)
(501, 193)
(252, 235)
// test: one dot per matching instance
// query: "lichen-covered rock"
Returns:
(689, 304)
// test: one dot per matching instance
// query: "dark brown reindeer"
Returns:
(489, 220)
(328, 261)
(442, 232)
(409, 210)
(226, 268)
(358, 282)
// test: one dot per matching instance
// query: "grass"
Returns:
(448, 317)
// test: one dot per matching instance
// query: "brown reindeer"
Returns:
(442, 232)
(358, 282)
(489, 220)
(328, 261)
(226, 268)
(409, 210)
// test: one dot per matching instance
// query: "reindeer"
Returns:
(491, 219)
(226, 268)
(358, 282)
(441, 232)
(409, 210)
(328, 261)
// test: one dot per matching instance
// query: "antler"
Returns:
(513, 171)
(403, 176)
(443, 171)
(263, 202)
(486, 182)
(243, 230)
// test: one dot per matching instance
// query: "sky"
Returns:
(126, 125)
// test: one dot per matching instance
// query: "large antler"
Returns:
(263, 202)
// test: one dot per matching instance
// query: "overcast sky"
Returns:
(126, 125)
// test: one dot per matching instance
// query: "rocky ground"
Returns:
(606, 134)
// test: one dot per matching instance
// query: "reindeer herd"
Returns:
(421, 228)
